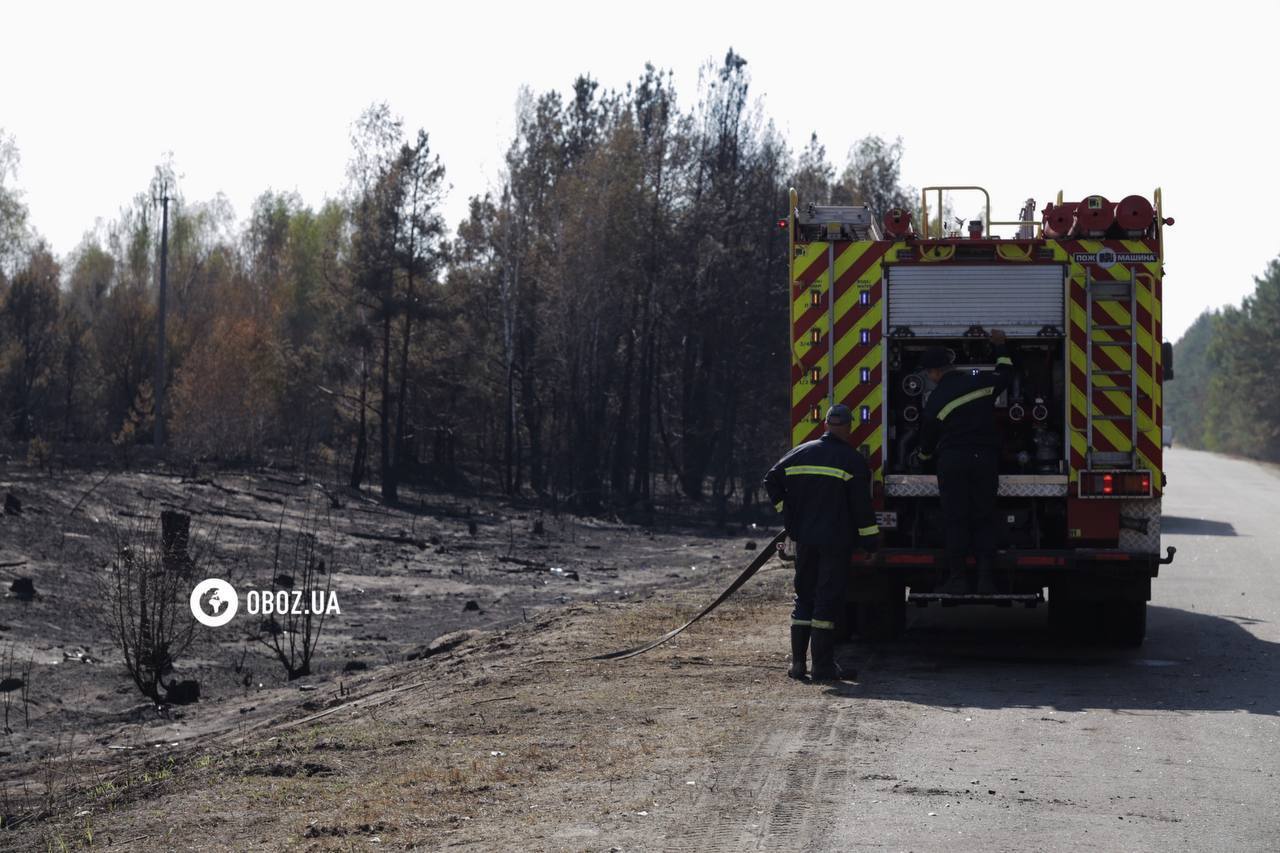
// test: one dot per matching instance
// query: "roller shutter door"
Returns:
(946, 300)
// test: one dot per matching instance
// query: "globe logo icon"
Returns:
(214, 602)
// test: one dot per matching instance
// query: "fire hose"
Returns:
(768, 551)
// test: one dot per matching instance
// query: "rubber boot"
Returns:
(799, 648)
(987, 577)
(825, 667)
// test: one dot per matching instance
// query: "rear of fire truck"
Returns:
(1078, 291)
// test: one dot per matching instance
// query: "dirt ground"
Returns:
(81, 752)
(979, 729)
(510, 740)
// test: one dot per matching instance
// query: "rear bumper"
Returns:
(1047, 564)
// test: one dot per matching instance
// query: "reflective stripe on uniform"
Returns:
(804, 623)
(819, 623)
(869, 531)
(1004, 361)
(820, 470)
(778, 506)
(964, 398)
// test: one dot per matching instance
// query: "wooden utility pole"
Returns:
(158, 438)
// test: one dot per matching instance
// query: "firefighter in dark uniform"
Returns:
(958, 428)
(823, 490)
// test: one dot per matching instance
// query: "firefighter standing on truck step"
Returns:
(823, 490)
(959, 430)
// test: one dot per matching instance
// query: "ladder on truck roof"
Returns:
(1111, 291)
(831, 222)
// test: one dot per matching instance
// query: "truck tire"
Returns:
(882, 618)
(847, 624)
(1063, 621)
(1072, 619)
(1125, 623)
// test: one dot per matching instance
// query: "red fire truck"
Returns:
(1078, 291)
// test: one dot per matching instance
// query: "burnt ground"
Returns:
(979, 729)
(403, 578)
(510, 740)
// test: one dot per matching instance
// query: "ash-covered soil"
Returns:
(512, 739)
(404, 578)
(978, 730)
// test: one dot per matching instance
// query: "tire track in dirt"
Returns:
(783, 789)
(726, 816)
(788, 780)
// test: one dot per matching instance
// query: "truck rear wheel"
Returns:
(882, 618)
(1068, 617)
(1125, 623)
(847, 624)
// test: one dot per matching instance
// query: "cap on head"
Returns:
(839, 415)
(936, 358)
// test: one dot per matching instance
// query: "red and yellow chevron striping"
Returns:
(840, 364)
(837, 304)
(1110, 320)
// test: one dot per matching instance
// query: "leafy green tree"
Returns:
(1244, 416)
(29, 317)
(1186, 400)
(92, 271)
(14, 236)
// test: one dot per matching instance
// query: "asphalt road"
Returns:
(979, 731)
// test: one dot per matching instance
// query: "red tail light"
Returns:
(1115, 484)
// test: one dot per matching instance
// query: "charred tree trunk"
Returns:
(403, 392)
(644, 432)
(175, 539)
(622, 435)
(360, 458)
(724, 452)
(533, 426)
(386, 453)
(509, 437)
(695, 440)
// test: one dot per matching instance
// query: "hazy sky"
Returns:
(1022, 98)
